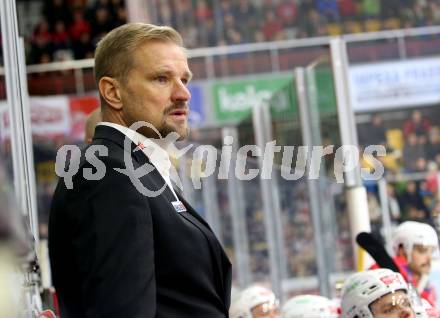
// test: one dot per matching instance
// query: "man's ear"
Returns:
(110, 91)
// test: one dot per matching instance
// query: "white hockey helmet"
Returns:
(309, 306)
(412, 233)
(362, 289)
(248, 299)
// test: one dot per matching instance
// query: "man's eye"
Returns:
(406, 303)
(161, 79)
(388, 310)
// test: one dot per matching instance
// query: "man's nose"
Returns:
(181, 92)
(429, 256)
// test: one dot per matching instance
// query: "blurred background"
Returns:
(301, 72)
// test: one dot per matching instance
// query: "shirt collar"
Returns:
(158, 156)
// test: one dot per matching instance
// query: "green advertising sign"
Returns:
(325, 91)
(235, 99)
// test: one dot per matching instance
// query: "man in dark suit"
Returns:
(126, 244)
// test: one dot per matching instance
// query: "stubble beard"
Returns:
(165, 129)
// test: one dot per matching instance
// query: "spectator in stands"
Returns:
(348, 9)
(328, 9)
(100, 4)
(374, 213)
(114, 7)
(434, 12)
(416, 124)
(204, 21)
(425, 192)
(287, 13)
(420, 165)
(433, 146)
(191, 36)
(231, 33)
(185, 17)
(101, 23)
(393, 205)
(258, 36)
(374, 134)
(78, 26)
(420, 12)
(45, 58)
(370, 9)
(271, 26)
(225, 8)
(266, 5)
(60, 37)
(287, 18)
(74, 38)
(41, 42)
(437, 160)
(392, 8)
(247, 14)
(56, 10)
(310, 24)
(83, 49)
(412, 205)
(165, 14)
(412, 151)
(432, 180)
(206, 38)
(435, 212)
(120, 17)
(305, 7)
(202, 12)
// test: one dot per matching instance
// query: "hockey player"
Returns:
(413, 245)
(254, 302)
(309, 306)
(376, 293)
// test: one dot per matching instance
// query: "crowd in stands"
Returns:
(229, 22)
(412, 162)
(71, 28)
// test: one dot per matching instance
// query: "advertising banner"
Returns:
(54, 116)
(234, 99)
(405, 83)
(49, 116)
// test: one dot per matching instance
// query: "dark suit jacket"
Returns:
(117, 253)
